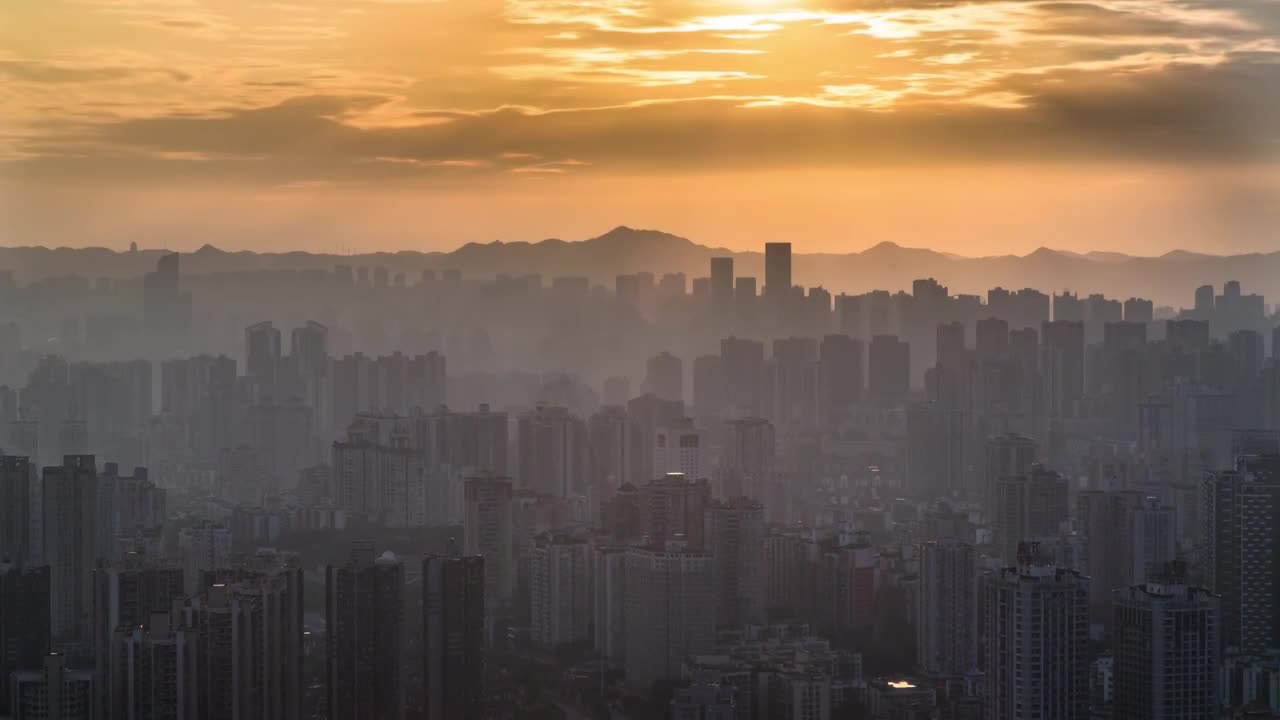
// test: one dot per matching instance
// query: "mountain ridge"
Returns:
(1168, 278)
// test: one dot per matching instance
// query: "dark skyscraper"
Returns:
(454, 631)
(1242, 553)
(1062, 367)
(777, 270)
(888, 370)
(722, 286)
(364, 608)
(1166, 652)
(16, 483)
(24, 621)
(71, 548)
(840, 377)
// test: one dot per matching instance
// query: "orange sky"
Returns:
(977, 127)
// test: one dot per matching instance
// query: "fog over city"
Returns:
(639, 360)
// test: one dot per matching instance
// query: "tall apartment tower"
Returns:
(16, 484)
(453, 606)
(946, 643)
(561, 600)
(1166, 652)
(364, 609)
(1242, 551)
(250, 629)
(1037, 654)
(777, 269)
(735, 537)
(1006, 456)
(1029, 507)
(24, 621)
(71, 549)
(153, 673)
(486, 533)
(670, 610)
(52, 692)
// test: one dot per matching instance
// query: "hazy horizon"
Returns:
(976, 128)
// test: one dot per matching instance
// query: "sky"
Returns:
(977, 127)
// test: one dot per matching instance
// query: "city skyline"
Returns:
(989, 127)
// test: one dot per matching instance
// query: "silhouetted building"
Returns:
(454, 636)
(364, 625)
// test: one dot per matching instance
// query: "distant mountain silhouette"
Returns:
(1169, 279)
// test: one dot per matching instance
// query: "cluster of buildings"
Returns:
(911, 505)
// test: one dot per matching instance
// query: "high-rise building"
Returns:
(777, 270)
(722, 286)
(664, 377)
(888, 370)
(364, 611)
(840, 378)
(748, 463)
(53, 692)
(379, 475)
(744, 373)
(710, 396)
(454, 636)
(735, 537)
(645, 415)
(1062, 366)
(607, 441)
(262, 359)
(946, 624)
(24, 620)
(551, 456)
(1125, 536)
(126, 594)
(69, 501)
(17, 480)
(205, 548)
(1037, 645)
(678, 447)
(561, 600)
(154, 670)
(675, 507)
(487, 533)
(1006, 456)
(1242, 551)
(609, 619)
(1166, 652)
(793, 372)
(670, 610)
(1028, 507)
(166, 310)
(249, 626)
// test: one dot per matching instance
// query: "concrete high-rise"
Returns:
(840, 378)
(670, 610)
(1006, 456)
(777, 270)
(453, 644)
(1166, 652)
(561, 601)
(24, 621)
(486, 533)
(17, 480)
(1242, 551)
(735, 537)
(1062, 366)
(154, 670)
(364, 611)
(1037, 644)
(946, 622)
(551, 456)
(748, 464)
(722, 286)
(742, 361)
(70, 521)
(664, 377)
(52, 692)
(674, 507)
(888, 370)
(1029, 507)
